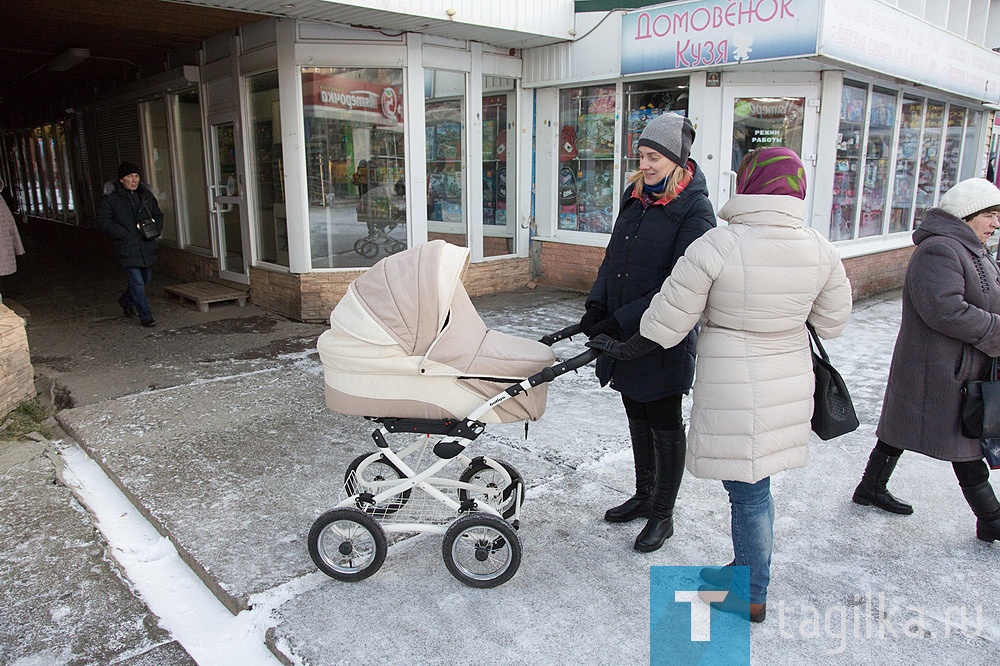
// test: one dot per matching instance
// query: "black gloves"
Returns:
(633, 348)
(594, 314)
(608, 327)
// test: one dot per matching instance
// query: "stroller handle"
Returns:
(561, 334)
(578, 361)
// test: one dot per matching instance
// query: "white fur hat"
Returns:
(969, 197)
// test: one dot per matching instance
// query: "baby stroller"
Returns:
(407, 350)
(382, 208)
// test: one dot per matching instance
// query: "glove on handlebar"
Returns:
(633, 348)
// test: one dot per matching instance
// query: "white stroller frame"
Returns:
(481, 548)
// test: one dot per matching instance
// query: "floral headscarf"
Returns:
(772, 171)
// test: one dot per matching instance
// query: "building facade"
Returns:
(887, 109)
(291, 154)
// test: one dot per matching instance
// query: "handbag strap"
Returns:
(814, 339)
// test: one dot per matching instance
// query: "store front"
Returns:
(335, 147)
(883, 127)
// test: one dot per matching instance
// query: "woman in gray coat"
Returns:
(949, 333)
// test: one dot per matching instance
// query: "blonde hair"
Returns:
(677, 178)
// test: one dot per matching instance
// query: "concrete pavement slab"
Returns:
(63, 601)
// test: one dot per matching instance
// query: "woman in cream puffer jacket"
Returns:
(752, 285)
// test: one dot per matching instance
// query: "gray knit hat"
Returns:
(969, 197)
(671, 135)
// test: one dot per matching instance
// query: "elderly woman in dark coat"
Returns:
(664, 209)
(949, 333)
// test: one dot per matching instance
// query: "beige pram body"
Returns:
(406, 342)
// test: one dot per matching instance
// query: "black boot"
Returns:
(637, 506)
(872, 489)
(987, 509)
(670, 446)
(128, 307)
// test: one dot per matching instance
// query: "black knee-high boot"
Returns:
(987, 509)
(670, 446)
(638, 505)
(872, 489)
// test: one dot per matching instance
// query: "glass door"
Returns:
(227, 203)
(785, 116)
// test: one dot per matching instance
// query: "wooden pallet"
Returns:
(202, 294)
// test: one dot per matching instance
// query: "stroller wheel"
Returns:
(366, 248)
(481, 550)
(481, 473)
(368, 473)
(347, 544)
(396, 246)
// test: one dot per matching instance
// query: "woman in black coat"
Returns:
(665, 208)
(126, 201)
(949, 331)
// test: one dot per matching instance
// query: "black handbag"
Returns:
(147, 225)
(833, 410)
(981, 406)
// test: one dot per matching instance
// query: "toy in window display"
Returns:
(567, 198)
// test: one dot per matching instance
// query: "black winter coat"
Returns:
(646, 242)
(118, 215)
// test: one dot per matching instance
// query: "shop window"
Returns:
(586, 155)
(172, 146)
(355, 164)
(499, 165)
(158, 172)
(930, 153)
(878, 150)
(42, 157)
(444, 104)
(266, 170)
(848, 167)
(970, 153)
(904, 182)
(191, 184)
(643, 102)
(951, 157)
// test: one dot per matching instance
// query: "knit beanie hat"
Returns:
(774, 170)
(969, 197)
(126, 169)
(671, 135)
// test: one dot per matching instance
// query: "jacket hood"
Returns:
(112, 185)
(936, 222)
(773, 209)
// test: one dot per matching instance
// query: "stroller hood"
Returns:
(407, 342)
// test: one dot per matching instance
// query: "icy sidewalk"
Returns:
(234, 471)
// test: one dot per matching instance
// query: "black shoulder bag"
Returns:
(981, 406)
(833, 410)
(147, 225)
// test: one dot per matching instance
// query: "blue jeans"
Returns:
(135, 294)
(753, 532)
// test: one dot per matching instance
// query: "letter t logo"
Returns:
(701, 612)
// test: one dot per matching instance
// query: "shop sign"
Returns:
(888, 40)
(338, 92)
(709, 33)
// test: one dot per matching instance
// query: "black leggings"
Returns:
(662, 414)
(970, 473)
